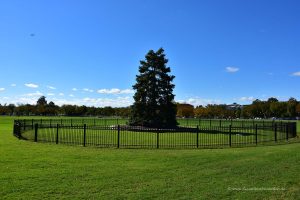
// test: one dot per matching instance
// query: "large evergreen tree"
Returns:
(154, 100)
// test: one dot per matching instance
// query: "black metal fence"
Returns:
(209, 134)
(186, 122)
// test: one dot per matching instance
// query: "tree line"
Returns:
(43, 108)
(271, 108)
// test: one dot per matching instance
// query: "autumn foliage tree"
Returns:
(185, 110)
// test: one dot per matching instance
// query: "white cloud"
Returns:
(2, 89)
(196, 101)
(31, 85)
(246, 99)
(74, 89)
(115, 91)
(296, 74)
(51, 87)
(50, 94)
(21, 100)
(232, 69)
(109, 91)
(127, 91)
(88, 90)
(37, 93)
(102, 102)
(13, 85)
(31, 98)
(97, 102)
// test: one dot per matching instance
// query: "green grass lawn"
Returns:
(31, 170)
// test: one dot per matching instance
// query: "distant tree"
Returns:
(201, 112)
(91, 111)
(122, 112)
(41, 106)
(69, 110)
(272, 99)
(108, 111)
(298, 110)
(259, 109)
(11, 108)
(278, 109)
(4, 110)
(238, 113)
(51, 109)
(26, 110)
(154, 100)
(185, 110)
(246, 112)
(81, 110)
(41, 101)
(291, 107)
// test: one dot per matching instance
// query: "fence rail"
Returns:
(186, 122)
(211, 134)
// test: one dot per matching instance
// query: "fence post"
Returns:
(197, 136)
(56, 139)
(71, 122)
(84, 134)
(256, 134)
(275, 132)
(60, 121)
(220, 123)
(19, 130)
(230, 135)
(157, 139)
(287, 131)
(35, 132)
(294, 129)
(118, 145)
(210, 123)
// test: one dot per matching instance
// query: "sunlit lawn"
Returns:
(31, 170)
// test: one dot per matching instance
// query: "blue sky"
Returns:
(88, 52)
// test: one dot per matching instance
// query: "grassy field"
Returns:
(36, 171)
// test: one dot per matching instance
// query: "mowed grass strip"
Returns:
(36, 170)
